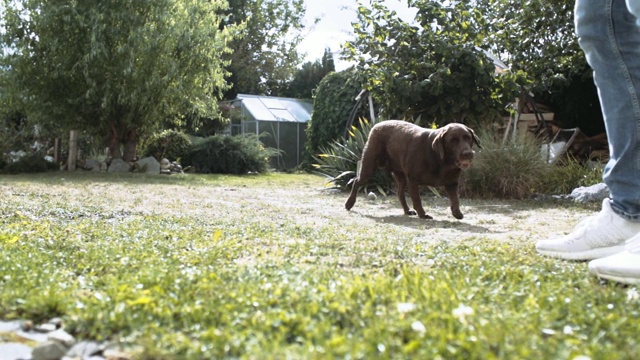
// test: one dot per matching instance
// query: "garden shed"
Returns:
(280, 122)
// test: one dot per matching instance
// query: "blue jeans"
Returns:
(609, 34)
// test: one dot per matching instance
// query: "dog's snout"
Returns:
(467, 154)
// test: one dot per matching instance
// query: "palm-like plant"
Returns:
(340, 162)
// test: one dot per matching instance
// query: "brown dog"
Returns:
(417, 156)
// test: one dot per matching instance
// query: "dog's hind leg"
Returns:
(368, 167)
(401, 180)
(414, 192)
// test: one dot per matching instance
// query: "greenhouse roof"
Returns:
(270, 108)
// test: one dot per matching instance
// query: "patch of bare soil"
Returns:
(304, 201)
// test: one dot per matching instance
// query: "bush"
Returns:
(34, 163)
(222, 154)
(339, 162)
(515, 170)
(568, 175)
(168, 144)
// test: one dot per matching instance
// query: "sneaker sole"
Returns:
(619, 279)
(584, 255)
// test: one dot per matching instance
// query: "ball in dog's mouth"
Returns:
(463, 164)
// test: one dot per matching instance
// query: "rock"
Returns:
(45, 328)
(147, 165)
(49, 350)
(596, 193)
(165, 164)
(371, 196)
(85, 349)
(119, 166)
(16, 155)
(15, 351)
(92, 164)
(62, 337)
(116, 355)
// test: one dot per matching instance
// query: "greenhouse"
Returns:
(280, 123)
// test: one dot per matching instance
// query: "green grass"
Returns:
(200, 267)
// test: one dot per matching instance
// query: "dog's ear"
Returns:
(475, 137)
(438, 142)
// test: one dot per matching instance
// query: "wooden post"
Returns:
(73, 150)
(57, 151)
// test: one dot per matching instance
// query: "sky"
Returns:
(334, 27)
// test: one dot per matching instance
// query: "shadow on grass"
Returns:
(418, 224)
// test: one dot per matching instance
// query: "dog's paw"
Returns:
(457, 214)
(425, 216)
(411, 213)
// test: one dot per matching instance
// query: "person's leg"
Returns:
(610, 37)
(614, 54)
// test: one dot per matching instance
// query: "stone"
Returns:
(62, 337)
(147, 165)
(92, 164)
(85, 349)
(45, 328)
(10, 326)
(119, 166)
(595, 193)
(14, 351)
(165, 164)
(49, 350)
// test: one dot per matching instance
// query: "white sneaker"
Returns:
(623, 267)
(598, 236)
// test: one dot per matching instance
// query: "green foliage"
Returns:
(13, 132)
(264, 59)
(338, 162)
(116, 68)
(332, 106)
(168, 144)
(306, 79)
(30, 164)
(568, 175)
(538, 39)
(513, 170)
(435, 71)
(222, 154)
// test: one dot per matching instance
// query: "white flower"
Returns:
(406, 307)
(418, 327)
(461, 312)
(632, 294)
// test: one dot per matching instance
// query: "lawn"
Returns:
(273, 267)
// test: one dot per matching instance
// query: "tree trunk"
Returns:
(130, 145)
(114, 144)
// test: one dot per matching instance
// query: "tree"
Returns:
(539, 40)
(113, 67)
(307, 78)
(265, 58)
(435, 71)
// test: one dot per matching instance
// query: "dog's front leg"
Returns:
(452, 192)
(415, 198)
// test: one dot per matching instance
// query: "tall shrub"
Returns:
(222, 154)
(332, 106)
